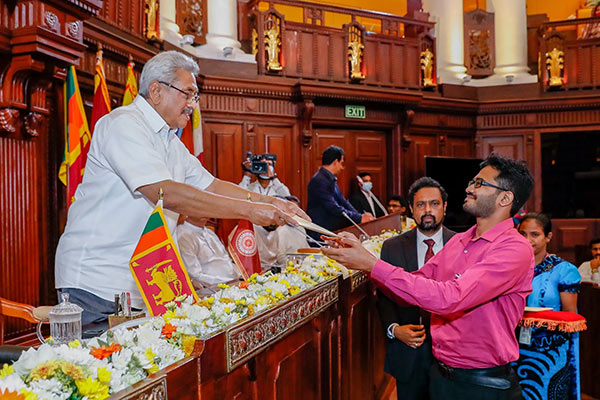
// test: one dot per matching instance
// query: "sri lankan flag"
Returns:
(157, 266)
(77, 137)
(131, 89)
(101, 96)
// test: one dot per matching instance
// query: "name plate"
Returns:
(244, 341)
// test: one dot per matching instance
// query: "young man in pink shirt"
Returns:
(475, 287)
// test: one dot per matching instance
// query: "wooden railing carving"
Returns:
(567, 53)
(373, 48)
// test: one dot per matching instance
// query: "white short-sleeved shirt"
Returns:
(131, 147)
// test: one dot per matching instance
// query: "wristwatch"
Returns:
(390, 330)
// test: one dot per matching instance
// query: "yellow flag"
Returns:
(131, 89)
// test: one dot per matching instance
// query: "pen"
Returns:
(128, 304)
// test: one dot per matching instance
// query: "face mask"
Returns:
(367, 186)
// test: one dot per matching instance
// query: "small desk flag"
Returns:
(157, 266)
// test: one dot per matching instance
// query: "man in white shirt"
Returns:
(134, 152)
(408, 355)
(587, 268)
(272, 244)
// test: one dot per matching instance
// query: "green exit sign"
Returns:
(359, 112)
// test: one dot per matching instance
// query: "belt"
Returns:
(495, 378)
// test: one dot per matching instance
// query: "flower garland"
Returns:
(96, 368)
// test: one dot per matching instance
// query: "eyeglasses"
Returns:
(479, 182)
(189, 97)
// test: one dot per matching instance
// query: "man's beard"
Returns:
(430, 226)
(482, 207)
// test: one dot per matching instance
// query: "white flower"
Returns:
(12, 383)
(32, 357)
(49, 389)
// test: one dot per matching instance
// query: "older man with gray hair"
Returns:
(134, 152)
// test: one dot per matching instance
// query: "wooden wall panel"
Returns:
(23, 219)
(421, 145)
(569, 233)
(224, 148)
(458, 146)
(278, 140)
(510, 146)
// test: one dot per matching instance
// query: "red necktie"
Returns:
(429, 252)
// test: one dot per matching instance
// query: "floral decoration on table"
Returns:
(99, 367)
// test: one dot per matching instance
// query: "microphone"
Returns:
(356, 225)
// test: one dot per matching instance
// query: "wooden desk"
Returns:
(589, 340)
(326, 343)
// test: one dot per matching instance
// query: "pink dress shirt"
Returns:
(475, 289)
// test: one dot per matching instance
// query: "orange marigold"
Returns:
(168, 330)
(103, 351)
(6, 395)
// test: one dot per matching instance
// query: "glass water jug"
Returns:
(65, 321)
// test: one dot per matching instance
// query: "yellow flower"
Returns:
(223, 285)
(279, 295)
(104, 375)
(268, 290)
(227, 309)
(43, 371)
(294, 290)
(71, 370)
(187, 344)
(168, 316)
(150, 356)
(273, 278)
(27, 395)
(92, 388)
(6, 370)
(75, 344)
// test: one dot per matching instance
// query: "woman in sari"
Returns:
(548, 366)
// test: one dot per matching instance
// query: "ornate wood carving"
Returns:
(152, 18)
(307, 113)
(427, 68)
(156, 389)
(273, 38)
(555, 66)
(355, 40)
(8, 120)
(357, 279)
(247, 339)
(479, 43)
(191, 19)
(33, 123)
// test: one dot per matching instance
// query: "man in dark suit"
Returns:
(363, 198)
(326, 205)
(408, 356)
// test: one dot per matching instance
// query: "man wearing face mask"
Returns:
(363, 198)
(273, 244)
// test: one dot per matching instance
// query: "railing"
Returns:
(306, 40)
(569, 56)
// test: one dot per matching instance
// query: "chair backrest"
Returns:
(9, 308)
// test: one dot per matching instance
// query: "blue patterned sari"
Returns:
(548, 367)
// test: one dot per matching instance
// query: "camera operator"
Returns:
(266, 183)
(273, 242)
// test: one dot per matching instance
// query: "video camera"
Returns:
(257, 165)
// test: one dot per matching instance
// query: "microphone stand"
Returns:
(356, 225)
(379, 203)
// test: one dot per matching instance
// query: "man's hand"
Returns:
(351, 253)
(265, 214)
(366, 217)
(411, 335)
(289, 207)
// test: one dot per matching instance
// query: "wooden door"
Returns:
(365, 151)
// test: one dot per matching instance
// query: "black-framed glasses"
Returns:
(479, 182)
(189, 97)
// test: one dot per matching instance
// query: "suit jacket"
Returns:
(360, 202)
(326, 203)
(401, 251)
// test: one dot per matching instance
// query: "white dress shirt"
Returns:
(585, 270)
(274, 188)
(369, 197)
(437, 237)
(131, 147)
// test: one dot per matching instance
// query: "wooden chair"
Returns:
(9, 308)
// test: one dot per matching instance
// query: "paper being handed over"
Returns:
(314, 227)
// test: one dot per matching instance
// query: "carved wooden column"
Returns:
(39, 40)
